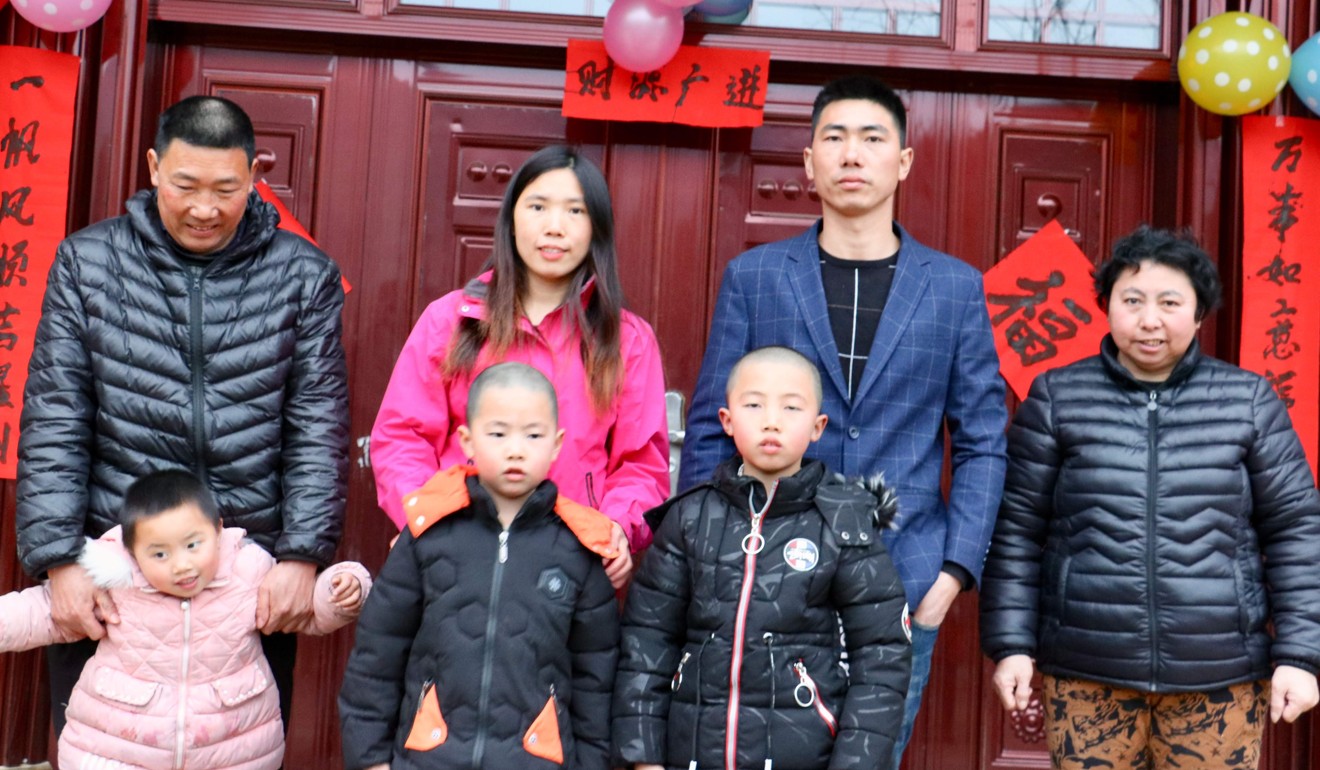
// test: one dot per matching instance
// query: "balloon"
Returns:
(670, 3)
(1305, 76)
(733, 18)
(1233, 63)
(709, 9)
(62, 15)
(642, 35)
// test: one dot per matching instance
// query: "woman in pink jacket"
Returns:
(551, 299)
(180, 681)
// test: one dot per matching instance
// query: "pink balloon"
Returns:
(62, 15)
(679, 3)
(640, 35)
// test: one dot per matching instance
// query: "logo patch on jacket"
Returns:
(801, 554)
(553, 583)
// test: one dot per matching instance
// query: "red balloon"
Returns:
(643, 35)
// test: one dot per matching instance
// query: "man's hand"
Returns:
(78, 607)
(648, 767)
(346, 593)
(381, 766)
(1012, 681)
(935, 605)
(1292, 693)
(284, 601)
(619, 569)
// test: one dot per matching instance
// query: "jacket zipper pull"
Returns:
(504, 546)
(678, 675)
(1151, 405)
(805, 692)
(421, 696)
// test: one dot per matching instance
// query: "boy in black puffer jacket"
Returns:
(491, 637)
(731, 653)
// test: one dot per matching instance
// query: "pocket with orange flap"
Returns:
(542, 738)
(428, 729)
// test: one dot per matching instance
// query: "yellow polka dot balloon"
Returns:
(1233, 63)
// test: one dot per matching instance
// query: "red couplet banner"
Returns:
(1042, 307)
(36, 139)
(1280, 230)
(712, 87)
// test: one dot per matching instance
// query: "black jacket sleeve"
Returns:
(56, 428)
(371, 698)
(315, 426)
(872, 607)
(654, 626)
(1010, 587)
(1287, 521)
(593, 644)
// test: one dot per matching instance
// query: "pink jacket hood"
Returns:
(616, 462)
(176, 679)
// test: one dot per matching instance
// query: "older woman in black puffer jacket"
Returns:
(1158, 516)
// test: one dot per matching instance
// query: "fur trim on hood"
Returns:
(107, 562)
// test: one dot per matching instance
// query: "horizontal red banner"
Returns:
(712, 87)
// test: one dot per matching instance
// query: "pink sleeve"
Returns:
(329, 616)
(25, 621)
(412, 425)
(638, 475)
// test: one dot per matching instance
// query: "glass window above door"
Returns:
(1101, 23)
(912, 18)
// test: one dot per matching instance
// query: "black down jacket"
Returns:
(482, 648)
(143, 361)
(719, 641)
(1150, 532)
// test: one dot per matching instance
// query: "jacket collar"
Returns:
(456, 488)
(111, 565)
(1119, 373)
(260, 223)
(906, 294)
(792, 494)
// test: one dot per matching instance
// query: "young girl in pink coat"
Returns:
(180, 680)
(551, 299)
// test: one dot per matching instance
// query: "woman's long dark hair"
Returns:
(597, 320)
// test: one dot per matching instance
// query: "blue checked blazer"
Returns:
(933, 365)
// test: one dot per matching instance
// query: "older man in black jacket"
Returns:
(189, 332)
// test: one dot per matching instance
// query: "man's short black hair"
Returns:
(161, 491)
(1176, 250)
(206, 121)
(866, 89)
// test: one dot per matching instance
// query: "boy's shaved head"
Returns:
(780, 355)
(511, 375)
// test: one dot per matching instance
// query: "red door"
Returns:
(405, 195)
(397, 167)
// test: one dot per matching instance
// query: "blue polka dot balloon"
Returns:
(1305, 75)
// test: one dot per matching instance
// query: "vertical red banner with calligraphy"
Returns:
(1280, 230)
(36, 139)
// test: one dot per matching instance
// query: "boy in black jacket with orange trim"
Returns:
(491, 638)
(731, 653)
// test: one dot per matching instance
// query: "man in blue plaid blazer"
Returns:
(931, 365)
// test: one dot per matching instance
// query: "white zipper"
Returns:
(752, 544)
(182, 716)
